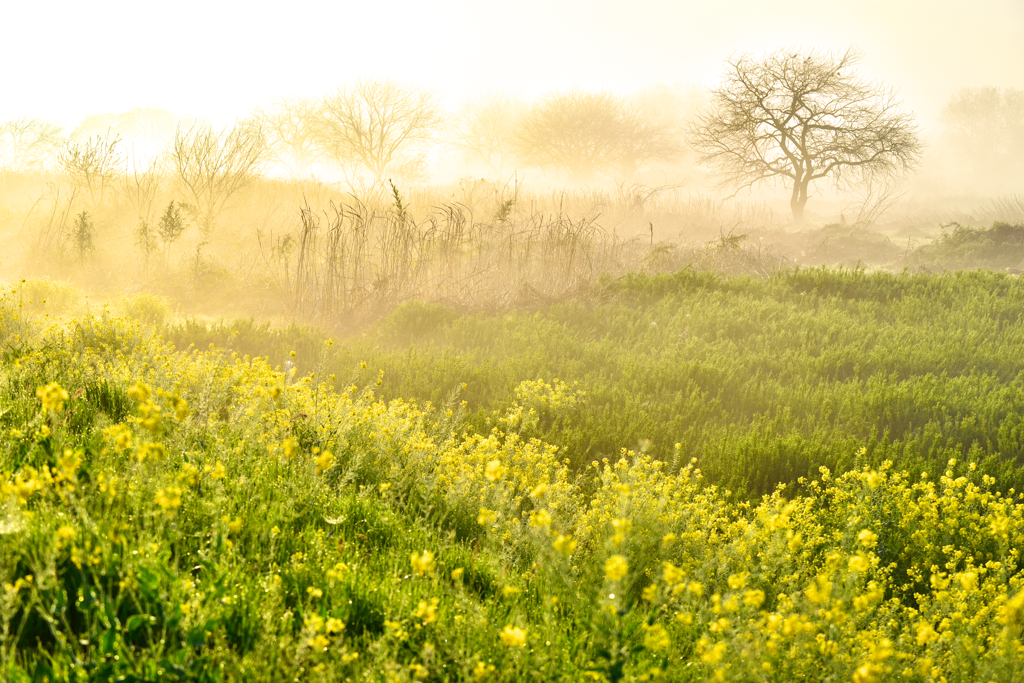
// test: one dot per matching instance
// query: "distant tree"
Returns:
(210, 167)
(797, 117)
(171, 225)
(27, 142)
(585, 133)
(377, 125)
(290, 124)
(651, 131)
(984, 130)
(483, 129)
(139, 185)
(82, 235)
(93, 164)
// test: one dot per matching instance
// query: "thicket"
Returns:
(200, 516)
(999, 247)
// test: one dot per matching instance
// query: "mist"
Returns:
(208, 159)
(536, 341)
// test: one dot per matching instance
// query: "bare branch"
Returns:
(377, 125)
(796, 117)
(210, 167)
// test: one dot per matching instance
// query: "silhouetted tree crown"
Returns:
(797, 117)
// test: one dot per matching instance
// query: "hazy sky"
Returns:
(64, 60)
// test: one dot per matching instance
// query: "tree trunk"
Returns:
(798, 201)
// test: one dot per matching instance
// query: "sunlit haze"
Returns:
(215, 59)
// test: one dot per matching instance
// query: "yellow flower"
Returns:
(540, 518)
(66, 533)
(712, 655)
(180, 407)
(139, 392)
(120, 435)
(151, 451)
(513, 636)
(494, 470)
(925, 633)
(656, 638)
(565, 544)
(426, 612)
(867, 538)
(859, 563)
(422, 564)
(335, 626)
(218, 471)
(324, 462)
(338, 572)
(673, 574)
(753, 598)
(487, 517)
(737, 581)
(969, 580)
(24, 485)
(314, 592)
(616, 568)
(318, 643)
(169, 498)
(52, 397)
(457, 574)
(291, 447)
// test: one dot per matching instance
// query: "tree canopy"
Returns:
(796, 117)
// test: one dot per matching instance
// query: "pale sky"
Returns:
(213, 58)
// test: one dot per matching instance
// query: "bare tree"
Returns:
(651, 132)
(27, 142)
(93, 164)
(573, 131)
(140, 184)
(797, 117)
(984, 129)
(290, 125)
(484, 127)
(584, 133)
(210, 167)
(377, 125)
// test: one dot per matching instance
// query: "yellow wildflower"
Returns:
(422, 563)
(426, 612)
(494, 470)
(513, 636)
(565, 544)
(52, 397)
(169, 498)
(615, 568)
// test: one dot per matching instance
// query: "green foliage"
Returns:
(82, 235)
(999, 247)
(762, 381)
(199, 516)
(171, 224)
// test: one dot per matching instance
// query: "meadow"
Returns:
(691, 477)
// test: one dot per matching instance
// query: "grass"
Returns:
(762, 381)
(187, 515)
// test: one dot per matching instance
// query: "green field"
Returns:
(682, 477)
